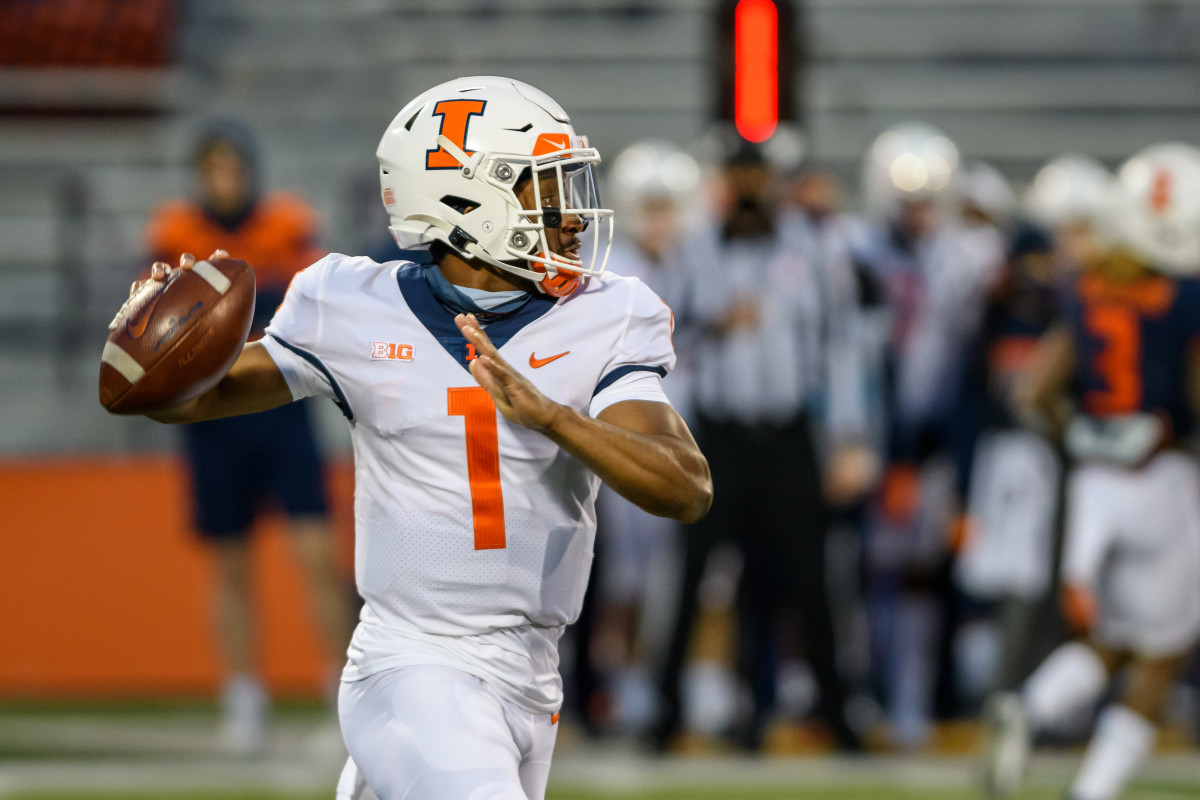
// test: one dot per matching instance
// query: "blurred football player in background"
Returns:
(1010, 553)
(1127, 355)
(1010, 483)
(1007, 475)
(240, 466)
(489, 393)
(936, 271)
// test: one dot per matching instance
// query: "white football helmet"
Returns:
(910, 161)
(652, 184)
(1070, 188)
(985, 188)
(451, 159)
(1156, 209)
(653, 168)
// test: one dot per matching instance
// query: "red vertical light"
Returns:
(756, 69)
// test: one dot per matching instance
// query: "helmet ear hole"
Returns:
(459, 204)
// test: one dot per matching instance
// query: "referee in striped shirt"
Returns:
(778, 384)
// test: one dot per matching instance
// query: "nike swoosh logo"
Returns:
(136, 328)
(536, 362)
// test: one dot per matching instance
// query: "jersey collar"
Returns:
(436, 309)
(458, 302)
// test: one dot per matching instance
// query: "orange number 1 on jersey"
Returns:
(475, 406)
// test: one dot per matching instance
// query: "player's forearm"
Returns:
(1049, 374)
(665, 475)
(185, 412)
(253, 384)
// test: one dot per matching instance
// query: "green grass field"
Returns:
(880, 792)
(167, 752)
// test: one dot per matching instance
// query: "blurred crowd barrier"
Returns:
(106, 589)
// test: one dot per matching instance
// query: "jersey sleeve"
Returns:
(293, 339)
(644, 347)
(640, 385)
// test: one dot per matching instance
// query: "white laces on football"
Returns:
(138, 290)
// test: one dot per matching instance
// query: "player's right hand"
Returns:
(159, 272)
(515, 397)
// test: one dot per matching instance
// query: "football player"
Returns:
(1127, 356)
(936, 271)
(488, 394)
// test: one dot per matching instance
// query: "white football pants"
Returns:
(1133, 537)
(435, 733)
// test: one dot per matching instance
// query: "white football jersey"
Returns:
(473, 535)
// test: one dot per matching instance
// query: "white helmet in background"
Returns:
(985, 189)
(651, 171)
(1156, 209)
(1070, 188)
(450, 160)
(652, 168)
(908, 162)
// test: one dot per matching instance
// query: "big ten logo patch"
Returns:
(391, 350)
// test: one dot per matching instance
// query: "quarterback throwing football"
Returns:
(488, 394)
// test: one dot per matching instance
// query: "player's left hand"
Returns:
(515, 397)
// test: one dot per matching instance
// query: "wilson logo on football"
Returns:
(392, 351)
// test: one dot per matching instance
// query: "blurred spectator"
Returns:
(768, 308)
(239, 464)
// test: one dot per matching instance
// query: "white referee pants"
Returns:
(435, 733)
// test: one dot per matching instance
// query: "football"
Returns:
(174, 339)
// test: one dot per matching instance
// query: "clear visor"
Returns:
(563, 226)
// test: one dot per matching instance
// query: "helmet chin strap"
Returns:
(469, 163)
